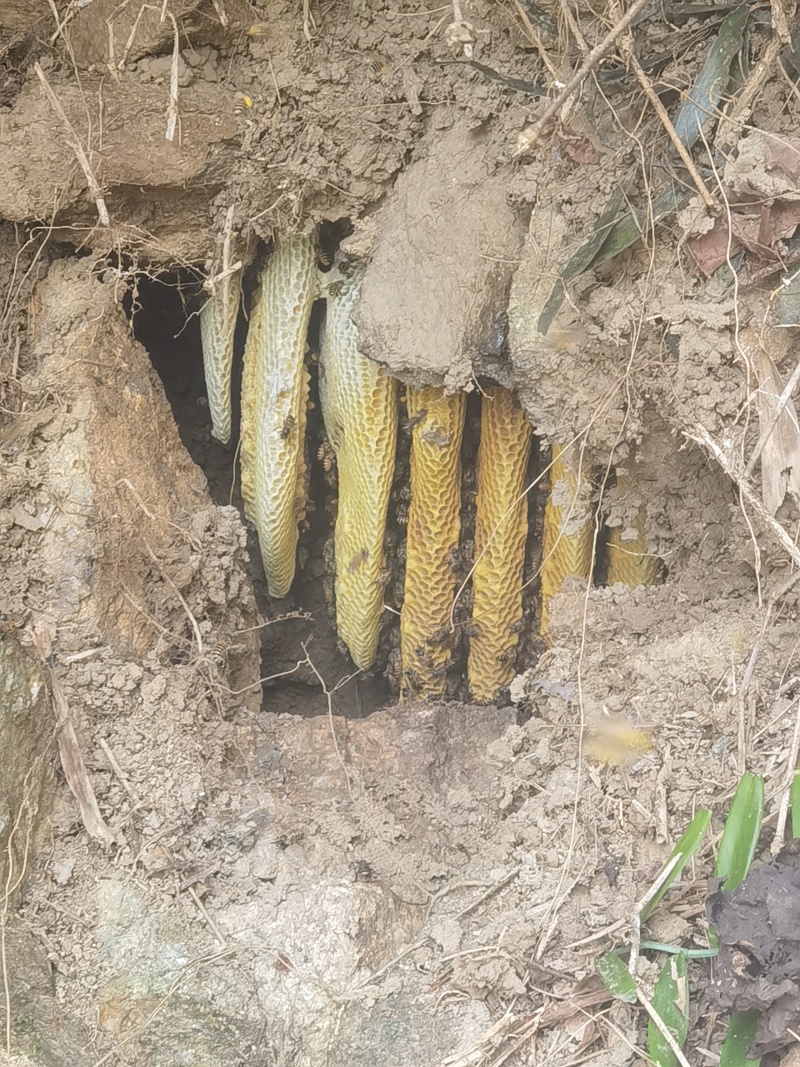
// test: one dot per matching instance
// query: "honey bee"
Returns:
(413, 682)
(357, 561)
(364, 872)
(242, 103)
(283, 965)
(324, 248)
(415, 419)
(377, 64)
(289, 424)
(437, 438)
(394, 667)
(326, 455)
(442, 636)
(336, 289)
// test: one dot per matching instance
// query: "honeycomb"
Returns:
(568, 536)
(359, 408)
(217, 328)
(628, 558)
(434, 526)
(274, 402)
(501, 530)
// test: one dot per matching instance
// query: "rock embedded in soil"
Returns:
(435, 291)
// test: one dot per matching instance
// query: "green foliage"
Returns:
(679, 857)
(741, 1031)
(671, 997)
(741, 833)
(671, 1003)
(617, 978)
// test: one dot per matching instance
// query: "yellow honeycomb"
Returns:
(359, 406)
(568, 536)
(434, 525)
(274, 402)
(628, 558)
(501, 530)
(217, 329)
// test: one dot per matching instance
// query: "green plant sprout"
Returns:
(668, 1012)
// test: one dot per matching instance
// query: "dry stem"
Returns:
(76, 146)
(531, 134)
(702, 437)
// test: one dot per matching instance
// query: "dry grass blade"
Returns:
(172, 106)
(75, 769)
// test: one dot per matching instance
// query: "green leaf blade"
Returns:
(795, 799)
(617, 978)
(741, 1032)
(742, 829)
(680, 856)
(671, 1003)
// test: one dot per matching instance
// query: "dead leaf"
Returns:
(780, 458)
(759, 930)
(25, 426)
(581, 150)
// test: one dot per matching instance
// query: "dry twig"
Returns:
(702, 437)
(76, 146)
(74, 767)
(730, 126)
(666, 122)
(531, 134)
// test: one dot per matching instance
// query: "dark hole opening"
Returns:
(163, 312)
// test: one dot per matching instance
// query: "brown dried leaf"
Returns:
(780, 459)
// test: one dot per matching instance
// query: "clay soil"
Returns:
(285, 865)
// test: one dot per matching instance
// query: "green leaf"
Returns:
(742, 828)
(671, 1003)
(741, 1031)
(709, 87)
(680, 855)
(795, 798)
(582, 260)
(633, 225)
(617, 978)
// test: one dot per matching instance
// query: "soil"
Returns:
(222, 844)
